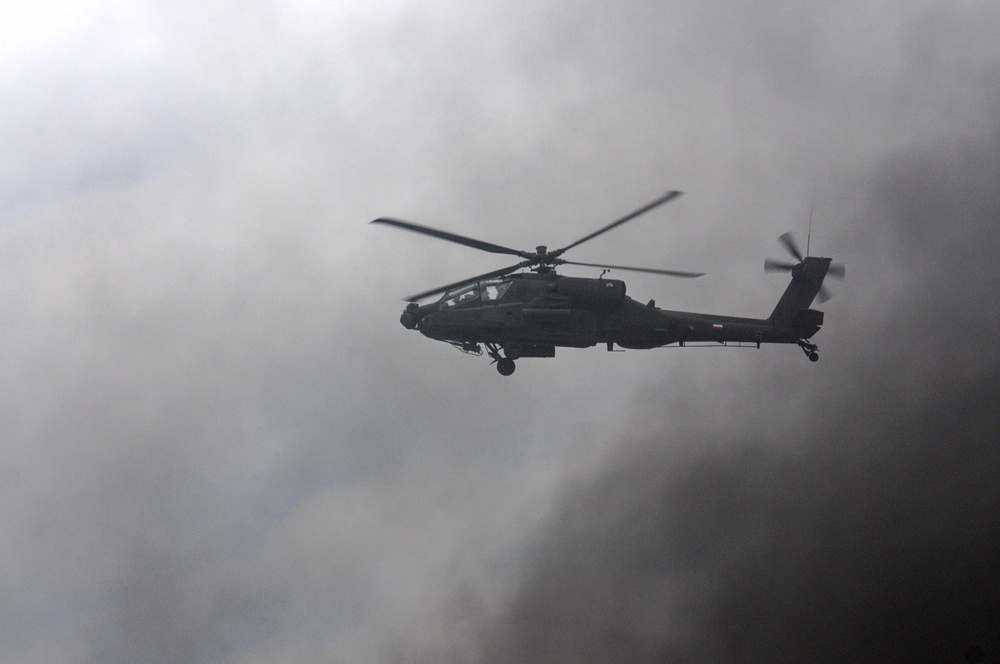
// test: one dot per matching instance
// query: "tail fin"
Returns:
(807, 279)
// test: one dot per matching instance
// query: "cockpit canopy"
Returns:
(489, 290)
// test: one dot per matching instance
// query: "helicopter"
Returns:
(516, 314)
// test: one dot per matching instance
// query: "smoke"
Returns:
(858, 525)
(219, 445)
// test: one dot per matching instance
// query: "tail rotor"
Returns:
(787, 240)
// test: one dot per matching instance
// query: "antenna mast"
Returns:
(809, 234)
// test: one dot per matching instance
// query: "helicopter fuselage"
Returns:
(529, 314)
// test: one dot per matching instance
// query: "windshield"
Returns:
(493, 289)
(490, 290)
(459, 296)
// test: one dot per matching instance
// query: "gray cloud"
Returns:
(219, 444)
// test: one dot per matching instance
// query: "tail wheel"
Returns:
(811, 350)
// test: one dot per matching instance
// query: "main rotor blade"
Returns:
(789, 242)
(489, 275)
(669, 273)
(771, 265)
(669, 196)
(836, 270)
(451, 237)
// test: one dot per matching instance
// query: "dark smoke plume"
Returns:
(867, 530)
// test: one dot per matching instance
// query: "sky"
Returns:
(220, 445)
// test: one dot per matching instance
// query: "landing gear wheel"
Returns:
(505, 366)
(811, 350)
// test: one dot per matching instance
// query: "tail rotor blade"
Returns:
(789, 242)
(836, 270)
(771, 265)
(823, 295)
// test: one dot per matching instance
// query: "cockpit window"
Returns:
(490, 290)
(493, 289)
(459, 296)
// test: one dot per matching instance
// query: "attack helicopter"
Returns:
(515, 314)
